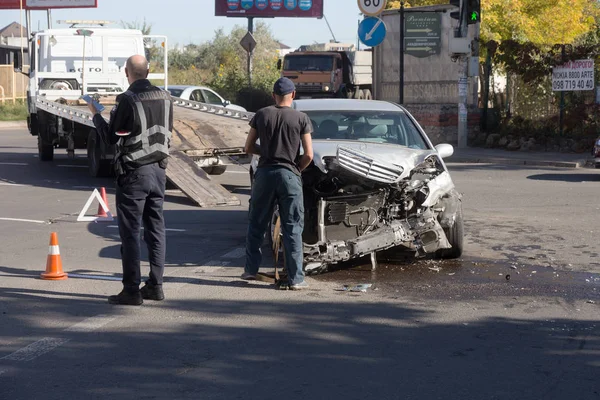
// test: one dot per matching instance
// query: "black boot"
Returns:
(151, 291)
(126, 298)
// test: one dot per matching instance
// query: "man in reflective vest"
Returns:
(140, 126)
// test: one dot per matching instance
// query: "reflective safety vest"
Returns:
(150, 138)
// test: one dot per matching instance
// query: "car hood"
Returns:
(404, 157)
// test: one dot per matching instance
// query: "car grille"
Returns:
(364, 165)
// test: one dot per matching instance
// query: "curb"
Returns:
(13, 124)
(532, 163)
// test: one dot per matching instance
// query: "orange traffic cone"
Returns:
(101, 213)
(54, 270)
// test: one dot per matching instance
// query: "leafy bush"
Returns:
(222, 65)
(13, 112)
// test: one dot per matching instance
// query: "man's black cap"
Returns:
(283, 86)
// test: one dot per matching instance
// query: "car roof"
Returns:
(345, 105)
(183, 87)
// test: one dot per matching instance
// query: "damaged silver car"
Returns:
(376, 183)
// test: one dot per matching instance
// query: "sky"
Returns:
(193, 21)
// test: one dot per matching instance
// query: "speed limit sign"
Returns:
(371, 7)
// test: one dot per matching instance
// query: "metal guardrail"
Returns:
(83, 116)
(79, 115)
(212, 109)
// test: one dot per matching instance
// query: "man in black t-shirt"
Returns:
(277, 180)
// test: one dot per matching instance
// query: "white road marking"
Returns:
(235, 253)
(72, 166)
(24, 220)
(35, 349)
(92, 323)
(97, 277)
(21, 164)
(10, 184)
(84, 187)
(237, 172)
(167, 229)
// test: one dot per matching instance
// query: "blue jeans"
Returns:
(276, 185)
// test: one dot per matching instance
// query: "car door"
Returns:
(213, 98)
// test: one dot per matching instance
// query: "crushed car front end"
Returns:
(357, 203)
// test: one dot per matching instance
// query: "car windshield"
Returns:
(308, 63)
(175, 92)
(367, 126)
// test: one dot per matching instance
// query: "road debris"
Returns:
(591, 302)
(357, 288)
(436, 269)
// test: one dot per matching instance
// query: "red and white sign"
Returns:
(46, 4)
(574, 75)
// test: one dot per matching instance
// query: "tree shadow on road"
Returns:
(363, 347)
(200, 235)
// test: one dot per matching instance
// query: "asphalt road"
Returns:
(516, 317)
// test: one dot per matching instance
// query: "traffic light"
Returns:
(473, 11)
(455, 14)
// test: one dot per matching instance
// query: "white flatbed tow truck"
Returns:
(88, 58)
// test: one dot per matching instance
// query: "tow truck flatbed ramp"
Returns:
(183, 172)
(199, 130)
(193, 130)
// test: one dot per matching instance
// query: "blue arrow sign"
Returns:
(372, 31)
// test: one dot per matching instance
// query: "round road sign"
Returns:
(371, 7)
(372, 31)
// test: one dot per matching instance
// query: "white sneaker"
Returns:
(299, 286)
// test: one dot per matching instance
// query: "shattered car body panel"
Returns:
(367, 194)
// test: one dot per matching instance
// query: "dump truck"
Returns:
(329, 74)
(89, 58)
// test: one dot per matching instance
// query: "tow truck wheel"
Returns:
(215, 169)
(45, 146)
(45, 149)
(455, 237)
(98, 167)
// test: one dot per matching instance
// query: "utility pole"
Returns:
(401, 66)
(463, 82)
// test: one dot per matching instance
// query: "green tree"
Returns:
(543, 22)
(153, 51)
(226, 60)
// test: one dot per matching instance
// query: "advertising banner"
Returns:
(269, 8)
(46, 4)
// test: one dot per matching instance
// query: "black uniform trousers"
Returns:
(140, 198)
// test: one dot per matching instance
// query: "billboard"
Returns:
(46, 4)
(269, 8)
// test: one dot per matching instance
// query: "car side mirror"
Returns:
(226, 103)
(444, 150)
(18, 64)
(279, 64)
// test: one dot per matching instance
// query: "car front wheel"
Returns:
(455, 237)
